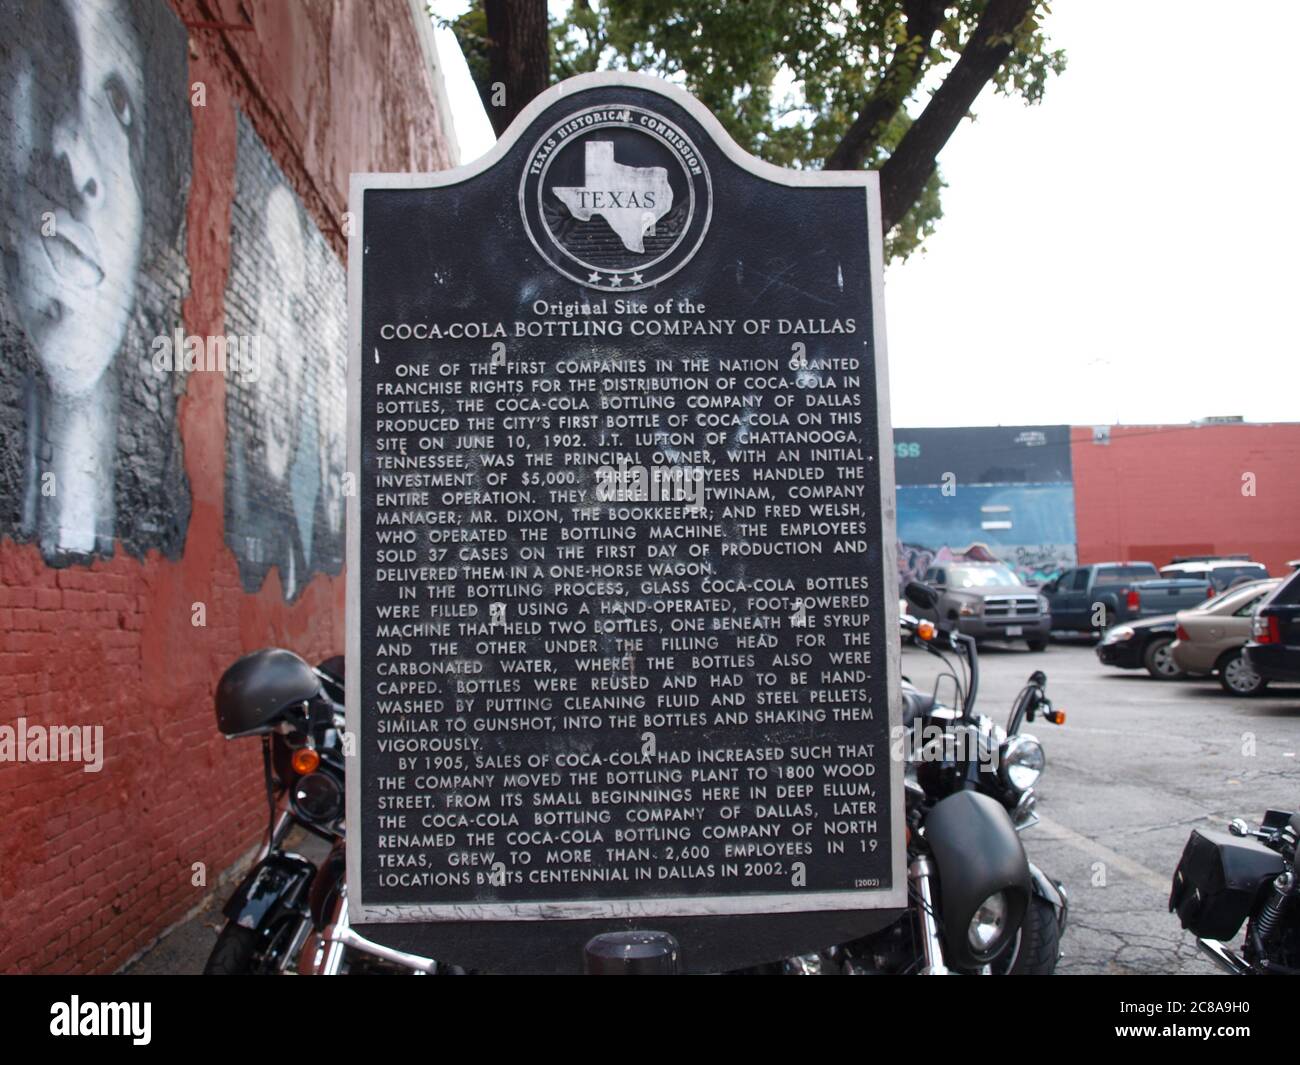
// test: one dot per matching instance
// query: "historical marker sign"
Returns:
(621, 576)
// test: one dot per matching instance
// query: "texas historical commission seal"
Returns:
(616, 198)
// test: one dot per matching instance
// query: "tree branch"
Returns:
(905, 69)
(905, 172)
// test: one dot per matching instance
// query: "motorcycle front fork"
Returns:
(920, 877)
(324, 952)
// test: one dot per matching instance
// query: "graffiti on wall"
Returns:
(94, 177)
(1030, 527)
(285, 423)
(1034, 564)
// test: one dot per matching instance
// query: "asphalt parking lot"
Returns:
(1138, 764)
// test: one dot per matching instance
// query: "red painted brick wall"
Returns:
(1157, 491)
(94, 866)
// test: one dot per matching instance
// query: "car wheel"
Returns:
(1159, 660)
(1237, 675)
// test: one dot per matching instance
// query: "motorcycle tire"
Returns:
(1040, 942)
(233, 954)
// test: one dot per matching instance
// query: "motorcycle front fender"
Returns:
(978, 853)
(276, 884)
(325, 889)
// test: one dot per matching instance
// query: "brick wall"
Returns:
(208, 140)
(1151, 492)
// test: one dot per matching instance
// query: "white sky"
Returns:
(1125, 251)
(473, 130)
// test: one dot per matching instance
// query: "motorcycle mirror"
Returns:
(1038, 677)
(921, 595)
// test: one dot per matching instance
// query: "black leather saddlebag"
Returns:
(1217, 881)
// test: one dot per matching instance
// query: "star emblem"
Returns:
(593, 278)
(616, 280)
(635, 279)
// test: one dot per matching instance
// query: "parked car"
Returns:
(1212, 637)
(1221, 574)
(1274, 648)
(1142, 644)
(988, 601)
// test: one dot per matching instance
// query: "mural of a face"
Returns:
(282, 357)
(285, 442)
(332, 420)
(74, 217)
(95, 152)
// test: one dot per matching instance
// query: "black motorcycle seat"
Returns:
(256, 692)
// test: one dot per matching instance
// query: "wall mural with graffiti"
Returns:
(285, 416)
(1007, 489)
(95, 134)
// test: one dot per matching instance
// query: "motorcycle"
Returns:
(962, 818)
(1244, 875)
(332, 947)
(976, 903)
(296, 711)
(284, 900)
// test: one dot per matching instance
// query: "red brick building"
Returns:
(153, 533)
(1153, 492)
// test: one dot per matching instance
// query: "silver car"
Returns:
(1211, 636)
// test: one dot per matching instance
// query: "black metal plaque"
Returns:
(621, 613)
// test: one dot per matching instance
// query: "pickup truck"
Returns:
(988, 601)
(1093, 598)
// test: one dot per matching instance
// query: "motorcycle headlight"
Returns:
(1022, 762)
(317, 797)
(989, 924)
(1118, 634)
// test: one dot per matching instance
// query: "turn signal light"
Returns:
(1056, 717)
(925, 631)
(305, 760)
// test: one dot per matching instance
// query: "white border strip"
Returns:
(895, 897)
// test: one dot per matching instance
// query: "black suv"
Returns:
(1274, 648)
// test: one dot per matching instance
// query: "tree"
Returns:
(821, 83)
